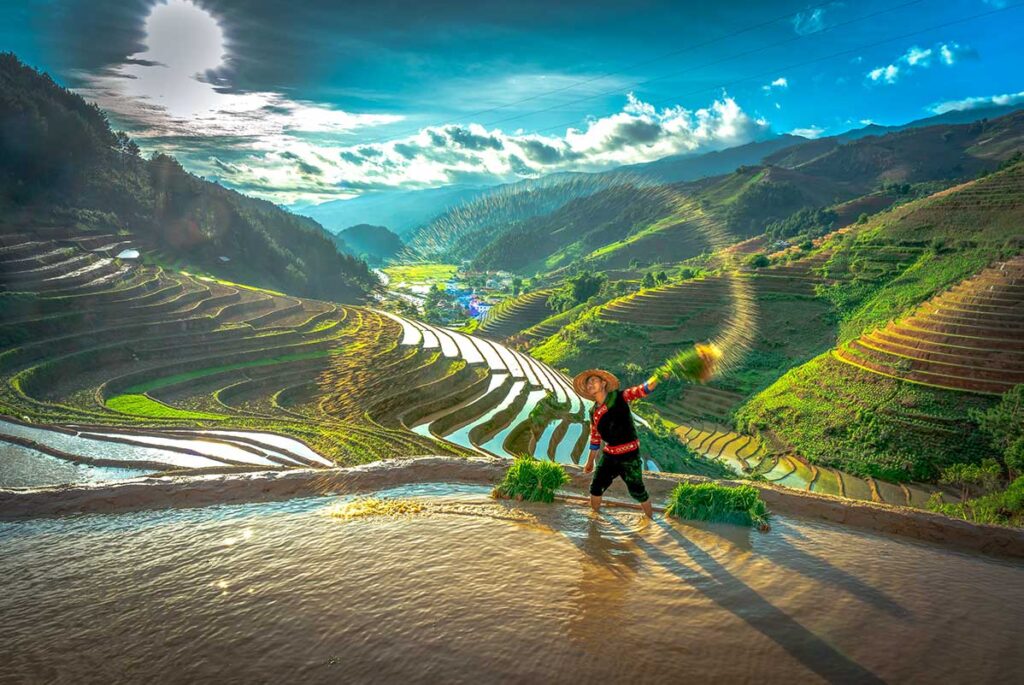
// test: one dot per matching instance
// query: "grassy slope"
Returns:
(840, 415)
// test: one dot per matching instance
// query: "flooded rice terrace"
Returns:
(468, 589)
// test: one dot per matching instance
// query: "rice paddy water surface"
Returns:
(469, 589)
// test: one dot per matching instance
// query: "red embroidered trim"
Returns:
(623, 448)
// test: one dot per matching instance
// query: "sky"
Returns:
(305, 102)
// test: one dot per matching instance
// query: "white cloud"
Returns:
(809, 132)
(888, 73)
(263, 143)
(977, 102)
(808, 22)
(164, 90)
(440, 155)
(780, 82)
(920, 58)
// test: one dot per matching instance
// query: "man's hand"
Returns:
(589, 466)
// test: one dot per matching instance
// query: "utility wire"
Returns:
(797, 65)
(401, 134)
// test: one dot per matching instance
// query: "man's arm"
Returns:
(595, 445)
(642, 390)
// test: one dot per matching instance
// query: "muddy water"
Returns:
(21, 467)
(478, 591)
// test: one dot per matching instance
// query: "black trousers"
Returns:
(629, 467)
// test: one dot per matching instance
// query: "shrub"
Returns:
(741, 504)
(532, 480)
(979, 478)
(758, 260)
(1003, 424)
(1002, 508)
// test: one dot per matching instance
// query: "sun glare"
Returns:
(168, 25)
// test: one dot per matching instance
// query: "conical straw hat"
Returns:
(579, 383)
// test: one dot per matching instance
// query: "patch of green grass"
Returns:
(420, 273)
(198, 373)
(532, 480)
(236, 285)
(143, 405)
(837, 415)
(741, 504)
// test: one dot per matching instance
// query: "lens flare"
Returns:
(458, 229)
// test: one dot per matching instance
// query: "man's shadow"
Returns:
(732, 594)
(812, 566)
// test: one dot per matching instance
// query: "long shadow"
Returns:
(734, 595)
(811, 566)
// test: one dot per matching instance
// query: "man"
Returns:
(612, 421)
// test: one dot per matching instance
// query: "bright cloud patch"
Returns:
(173, 97)
(809, 132)
(947, 54)
(290, 171)
(780, 82)
(977, 102)
(164, 91)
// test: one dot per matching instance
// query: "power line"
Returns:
(706, 64)
(798, 65)
(637, 65)
(623, 70)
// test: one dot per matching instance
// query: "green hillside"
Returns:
(636, 222)
(861, 410)
(62, 165)
(375, 244)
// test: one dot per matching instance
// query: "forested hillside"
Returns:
(61, 164)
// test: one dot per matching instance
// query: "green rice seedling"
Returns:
(532, 480)
(741, 505)
(696, 365)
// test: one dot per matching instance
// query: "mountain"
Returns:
(692, 167)
(402, 210)
(61, 164)
(958, 116)
(667, 224)
(377, 243)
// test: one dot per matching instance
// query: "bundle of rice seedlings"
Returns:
(741, 505)
(532, 480)
(375, 506)
(697, 365)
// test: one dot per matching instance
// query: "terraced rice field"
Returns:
(515, 315)
(748, 455)
(106, 364)
(970, 337)
(669, 305)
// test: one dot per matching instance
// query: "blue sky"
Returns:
(306, 102)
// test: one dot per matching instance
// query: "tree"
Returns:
(440, 306)
(517, 286)
(1004, 426)
(648, 281)
(661, 277)
(758, 260)
(126, 145)
(972, 479)
(575, 290)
